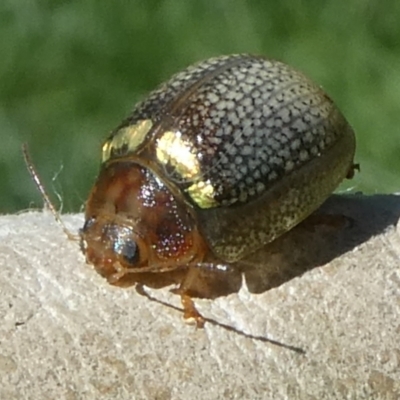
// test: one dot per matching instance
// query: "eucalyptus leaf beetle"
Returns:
(217, 162)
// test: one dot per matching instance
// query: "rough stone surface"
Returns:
(67, 334)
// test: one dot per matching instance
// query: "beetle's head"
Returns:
(134, 224)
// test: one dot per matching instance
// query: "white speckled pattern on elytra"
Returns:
(248, 121)
(251, 143)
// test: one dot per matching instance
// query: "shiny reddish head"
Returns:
(134, 224)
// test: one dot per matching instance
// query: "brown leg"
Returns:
(190, 313)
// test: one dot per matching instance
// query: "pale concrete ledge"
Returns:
(66, 334)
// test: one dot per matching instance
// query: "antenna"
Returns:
(35, 177)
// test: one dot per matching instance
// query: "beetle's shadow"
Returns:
(342, 223)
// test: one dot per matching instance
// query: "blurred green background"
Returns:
(71, 70)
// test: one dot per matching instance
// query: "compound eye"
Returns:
(128, 250)
(122, 243)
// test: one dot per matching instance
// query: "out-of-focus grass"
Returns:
(71, 70)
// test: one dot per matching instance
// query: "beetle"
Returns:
(208, 171)
(214, 164)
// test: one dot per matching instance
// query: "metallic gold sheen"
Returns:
(178, 153)
(203, 194)
(174, 151)
(130, 137)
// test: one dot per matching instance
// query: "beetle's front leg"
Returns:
(190, 313)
